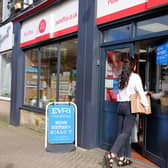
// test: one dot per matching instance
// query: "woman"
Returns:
(129, 83)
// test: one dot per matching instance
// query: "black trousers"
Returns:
(126, 122)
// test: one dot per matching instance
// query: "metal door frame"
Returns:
(102, 83)
(155, 158)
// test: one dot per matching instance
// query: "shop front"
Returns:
(139, 31)
(55, 59)
(74, 55)
(45, 63)
(6, 44)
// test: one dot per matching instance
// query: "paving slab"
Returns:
(24, 148)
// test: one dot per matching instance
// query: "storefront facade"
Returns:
(6, 44)
(47, 62)
(135, 29)
(63, 53)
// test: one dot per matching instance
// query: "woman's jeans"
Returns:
(126, 122)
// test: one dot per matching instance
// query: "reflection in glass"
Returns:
(5, 74)
(31, 77)
(114, 63)
(67, 83)
(119, 33)
(48, 64)
(42, 78)
(154, 25)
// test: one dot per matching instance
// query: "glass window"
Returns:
(42, 75)
(31, 77)
(154, 25)
(114, 63)
(67, 82)
(5, 74)
(48, 70)
(119, 33)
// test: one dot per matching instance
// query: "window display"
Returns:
(31, 77)
(114, 65)
(50, 73)
(5, 75)
(67, 81)
(48, 69)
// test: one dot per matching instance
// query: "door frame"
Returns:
(105, 48)
(153, 157)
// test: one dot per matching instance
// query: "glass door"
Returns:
(150, 135)
(156, 132)
(113, 58)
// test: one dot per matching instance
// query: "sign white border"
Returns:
(46, 120)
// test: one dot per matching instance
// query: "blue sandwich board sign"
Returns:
(61, 127)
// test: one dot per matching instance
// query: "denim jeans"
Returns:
(126, 122)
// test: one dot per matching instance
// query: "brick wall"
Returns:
(32, 120)
(4, 110)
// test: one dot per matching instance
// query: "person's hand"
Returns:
(149, 93)
(147, 110)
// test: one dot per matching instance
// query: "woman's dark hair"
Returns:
(127, 69)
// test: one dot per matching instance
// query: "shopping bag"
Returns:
(164, 100)
(136, 106)
(164, 104)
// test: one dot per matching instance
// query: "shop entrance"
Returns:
(150, 136)
(113, 61)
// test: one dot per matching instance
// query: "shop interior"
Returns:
(50, 73)
(154, 74)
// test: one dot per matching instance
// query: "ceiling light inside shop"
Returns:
(142, 60)
(154, 27)
(142, 51)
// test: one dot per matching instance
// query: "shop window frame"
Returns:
(149, 35)
(37, 108)
(1, 55)
(133, 21)
(114, 28)
(58, 67)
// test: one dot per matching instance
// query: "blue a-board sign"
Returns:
(61, 123)
(162, 54)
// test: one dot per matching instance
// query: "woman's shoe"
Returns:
(109, 159)
(123, 161)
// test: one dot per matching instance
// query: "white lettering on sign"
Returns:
(61, 127)
(61, 122)
(61, 111)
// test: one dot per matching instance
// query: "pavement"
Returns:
(21, 147)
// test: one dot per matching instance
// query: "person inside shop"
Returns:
(129, 83)
(162, 97)
(164, 88)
